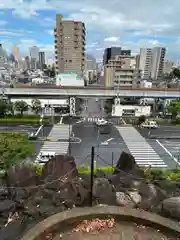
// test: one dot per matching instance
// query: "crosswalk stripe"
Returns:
(92, 119)
(60, 131)
(143, 153)
(58, 147)
(57, 132)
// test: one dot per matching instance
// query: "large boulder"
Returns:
(151, 195)
(60, 167)
(127, 164)
(21, 176)
(170, 207)
(103, 191)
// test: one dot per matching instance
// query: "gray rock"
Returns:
(170, 207)
(100, 174)
(135, 197)
(122, 199)
(151, 196)
(7, 205)
(103, 191)
(12, 231)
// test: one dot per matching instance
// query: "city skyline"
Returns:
(31, 23)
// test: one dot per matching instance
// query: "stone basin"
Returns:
(131, 224)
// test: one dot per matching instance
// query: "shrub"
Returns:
(141, 119)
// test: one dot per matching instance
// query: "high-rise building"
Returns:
(16, 53)
(34, 52)
(111, 52)
(157, 65)
(69, 46)
(41, 60)
(4, 66)
(145, 62)
(27, 63)
(152, 62)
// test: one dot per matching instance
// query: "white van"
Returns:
(149, 124)
(44, 157)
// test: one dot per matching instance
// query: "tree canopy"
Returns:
(21, 107)
(174, 108)
(14, 148)
(36, 106)
(176, 72)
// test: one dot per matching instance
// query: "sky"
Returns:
(130, 24)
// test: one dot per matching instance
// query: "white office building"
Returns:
(145, 62)
(130, 110)
(151, 62)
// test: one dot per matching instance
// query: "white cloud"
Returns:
(112, 19)
(111, 39)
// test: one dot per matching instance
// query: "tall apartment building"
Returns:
(69, 46)
(152, 62)
(145, 62)
(41, 60)
(34, 52)
(111, 52)
(157, 66)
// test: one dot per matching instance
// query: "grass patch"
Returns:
(24, 120)
(87, 170)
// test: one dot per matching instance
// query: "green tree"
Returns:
(36, 106)
(176, 72)
(21, 107)
(141, 119)
(3, 107)
(14, 148)
(50, 71)
(10, 108)
(174, 109)
(108, 106)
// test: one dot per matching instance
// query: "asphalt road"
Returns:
(26, 129)
(19, 128)
(93, 108)
(161, 132)
(108, 147)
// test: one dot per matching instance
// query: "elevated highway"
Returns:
(55, 92)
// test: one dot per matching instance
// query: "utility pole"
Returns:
(69, 135)
(92, 177)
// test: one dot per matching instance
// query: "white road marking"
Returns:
(104, 143)
(80, 121)
(39, 129)
(110, 139)
(168, 152)
(61, 120)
